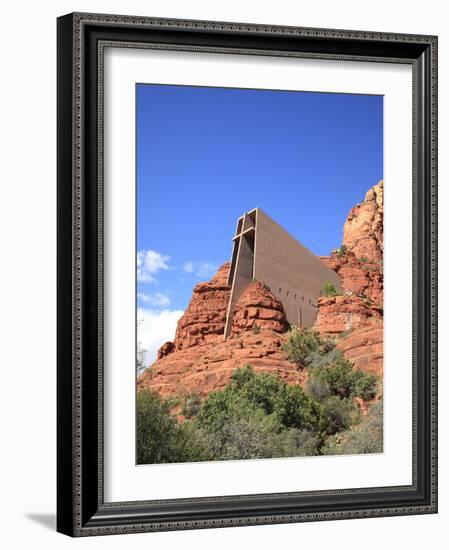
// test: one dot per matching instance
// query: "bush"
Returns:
(239, 438)
(264, 398)
(256, 329)
(366, 437)
(317, 359)
(260, 416)
(335, 379)
(293, 442)
(330, 290)
(365, 385)
(339, 414)
(156, 430)
(339, 378)
(249, 438)
(160, 438)
(192, 405)
(300, 344)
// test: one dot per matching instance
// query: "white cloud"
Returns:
(189, 267)
(150, 262)
(158, 299)
(154, 328)
(206, 269)
(200, 269)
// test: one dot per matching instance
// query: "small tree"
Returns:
(192, 405)
(156, 430)
(140, 354)
(341, 380)
(329, 290)
(300, 344)
(365, 437)
(341, 251)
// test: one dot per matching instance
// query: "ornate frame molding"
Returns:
(81, 42)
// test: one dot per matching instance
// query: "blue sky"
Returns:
(206, 155)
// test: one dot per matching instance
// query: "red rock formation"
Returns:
(258, 323)
(207, 367)
(165, 349)
(358, 277)
(205, 317)
(356, 318)
(200, 360)
(364, 346)
(339, 314)
(363, 231)
(258, 309)
(359, 262)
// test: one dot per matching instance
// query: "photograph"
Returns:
(246, 273)
(259, 273)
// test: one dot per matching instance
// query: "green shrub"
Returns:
(335, 379)
(256, 329)
(159, 437)
(249, 438)
(262, 397)
(239, 438)
(366, 437)
(192, 405)
(330, 290)
(260, 416)
(155, 429)
(300, 344)
(317, 359)
(293, 442)
(339, 378)
(365, 385)
(339, 414)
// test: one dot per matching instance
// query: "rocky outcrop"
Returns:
(202, 369)
(363, 233)
(165, 349)
(359, 261)
(256, 338)
(358, 277)
(258, 309)
(356, 318)
(364, 347)
(205, 317)
(340, 314)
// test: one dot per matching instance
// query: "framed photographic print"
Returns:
(247, 282)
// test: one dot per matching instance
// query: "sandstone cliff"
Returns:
(205, 317)
(356, 318)
(363, 230)
(200, 360)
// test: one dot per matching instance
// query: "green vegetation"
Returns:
(341, 380)
(191, 406)
(365, 437)
(329, 290)
(341, 250)
(302, 345)
(256, 329)
(260, 416)
(160, 438)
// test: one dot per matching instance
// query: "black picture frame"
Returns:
(81, 509)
